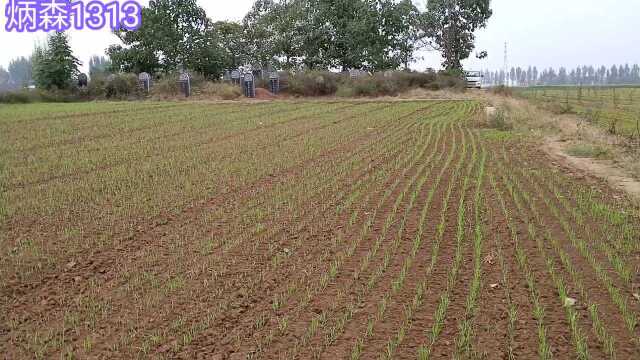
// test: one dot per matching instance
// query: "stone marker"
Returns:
(274, 82)
(145, 81)
(83, 81)
(235, 77)
(185, 83)
(249, 85)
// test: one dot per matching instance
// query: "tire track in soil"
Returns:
(201, 350)
(385, 328)
(626, 346)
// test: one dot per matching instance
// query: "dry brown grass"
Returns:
(570, 132)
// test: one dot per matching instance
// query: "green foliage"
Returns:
(55, 67)
(587, 151)
(450, 25)
(221, 90)
(174, 33)
(324, 83)
(322, 34)
(121, 86)
(313, 83)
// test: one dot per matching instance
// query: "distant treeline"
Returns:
(582, 75)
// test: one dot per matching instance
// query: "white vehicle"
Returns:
(474, 79)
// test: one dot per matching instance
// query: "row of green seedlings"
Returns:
(280, 300)
(606, 340)
(578, 243)
(421, 288)
(424, 351)
(409, 310)
(330, 274)
(616, 296)
(578, 338)
(313, 189)
(334, 268)
(619, 230)
(463, 344)
(85, 161)
(334, 331)
(398, 283)
(621, 267)
(580, 341)
(544, 348)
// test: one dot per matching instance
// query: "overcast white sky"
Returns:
(542, 33)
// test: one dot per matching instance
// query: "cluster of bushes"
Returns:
(309, 84)
(26, 96)
(315, 83)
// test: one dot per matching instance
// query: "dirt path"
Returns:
(604, 169)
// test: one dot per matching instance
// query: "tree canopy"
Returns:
(293, 34)
(174, 33)
(55, 66)
(450, 26)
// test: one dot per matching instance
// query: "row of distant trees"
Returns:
(300, 34)
(373, 35)
(29, 71)
(581, 75)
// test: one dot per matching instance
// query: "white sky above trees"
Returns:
(542, 33)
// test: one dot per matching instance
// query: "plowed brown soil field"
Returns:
(307, 230)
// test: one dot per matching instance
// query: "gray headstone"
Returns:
(249, 85)
(145, 81)
(185, 83)
(83, 81)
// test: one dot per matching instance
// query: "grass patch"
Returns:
(588, 151)
(497, 135)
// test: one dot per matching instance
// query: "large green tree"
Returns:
(450, 26)
(322, 34)
(55, 66)
(173, 33)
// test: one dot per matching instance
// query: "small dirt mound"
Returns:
(264, 94)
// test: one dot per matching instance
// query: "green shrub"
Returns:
(499, 121)
(223, 91)
(313, 83)
(168, 85)
(588, 151)
(17, 97)
(345, 91)
(122, 86)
